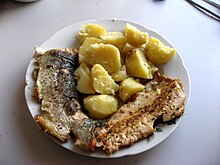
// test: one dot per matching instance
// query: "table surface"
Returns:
(196, 35)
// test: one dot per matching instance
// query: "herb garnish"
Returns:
(158, 129)
(171, 122)
(149, 138)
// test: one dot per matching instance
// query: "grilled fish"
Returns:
(56, 90)
(162, 98)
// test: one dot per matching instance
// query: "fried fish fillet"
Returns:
(162, 97)
(56, 90)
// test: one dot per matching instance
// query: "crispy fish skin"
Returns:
(85, 131)
(162, 98)
(60, 108)
(55, 89)
(56, 69)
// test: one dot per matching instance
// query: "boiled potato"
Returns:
(100, 106)
(129, 87)
(120, 75)
(102, 81)
(127, 48)
(105, 54)
(138, 66)
(88, 41)
(91, 30)
(84, 82)
(134, 36)
(157, 52)
(115, 38)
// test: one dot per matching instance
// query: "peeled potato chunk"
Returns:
(129, 87)
(127, 48)
(105, 54)
(134, 36)
(138, 66)
(84, 82)
(88, 41)
(120, 75)
(91, 30)
(115, 38)
(102, 81)
(157, 52)
(100, 106)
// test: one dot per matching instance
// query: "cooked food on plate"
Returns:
(109, 93)
(56, 89)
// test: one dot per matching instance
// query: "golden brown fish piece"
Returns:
(162, 98)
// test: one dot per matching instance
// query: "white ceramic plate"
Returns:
(66, 37)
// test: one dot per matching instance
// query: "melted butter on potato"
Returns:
(100, 106)
(138, 66)
(157, 52)
(106, 55)
(129, 87)
(91, 30)
(102, 81)
(134, 36)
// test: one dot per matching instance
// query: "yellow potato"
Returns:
(134, 36)
(127, 48)
(100, 106)
(138, 66)
(120, 75)
(84, 82)
(129, 87)
(102, 81)
(105, 54)
(157, 52)
(88, 41)
(91, 30)
(115, 38)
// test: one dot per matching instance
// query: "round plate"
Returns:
(66, 37)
